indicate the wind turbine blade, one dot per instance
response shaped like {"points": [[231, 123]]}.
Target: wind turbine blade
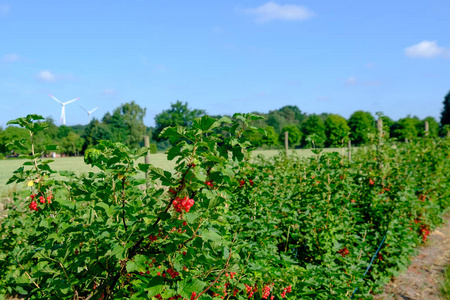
{"points": [[84, 109], [70, 101], [54, 98], [93, 110]]}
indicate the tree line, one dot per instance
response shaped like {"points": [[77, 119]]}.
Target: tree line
{"points": [[125, 124]]}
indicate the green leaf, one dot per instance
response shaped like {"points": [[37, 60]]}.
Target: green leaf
{"points": [[189, 285], [205, 123], [156, 286]]}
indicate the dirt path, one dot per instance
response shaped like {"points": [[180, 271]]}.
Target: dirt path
{"points": [[423, 279]]}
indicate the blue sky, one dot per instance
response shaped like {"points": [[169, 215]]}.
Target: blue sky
{"points": [[223, 56]]}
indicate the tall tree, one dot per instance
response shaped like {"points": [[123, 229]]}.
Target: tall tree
{"points": [[445, 115], [433, 126], [361, 123], [405, 128], [294, 134], [179, 114], [313, 125], [336, 130], [127, 124]]}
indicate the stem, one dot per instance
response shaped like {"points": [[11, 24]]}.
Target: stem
{"points": [[217, 278], [123, 204]]}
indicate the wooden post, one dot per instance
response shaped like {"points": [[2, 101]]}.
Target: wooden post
{"points": [[380, 127], [286, 141], [147, 144], [147, 157], [349, 151], [427, 128]]}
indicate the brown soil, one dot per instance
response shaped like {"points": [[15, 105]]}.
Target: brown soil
{"points": [[423, 279]]}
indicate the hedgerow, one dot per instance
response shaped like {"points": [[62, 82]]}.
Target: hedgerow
{"points": [[223, 225]]}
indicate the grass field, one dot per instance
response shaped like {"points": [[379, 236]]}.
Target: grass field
{"points": [[77, 165]]}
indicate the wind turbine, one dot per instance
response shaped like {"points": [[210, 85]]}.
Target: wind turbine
{"points": [[89, 112], [63, 104]]}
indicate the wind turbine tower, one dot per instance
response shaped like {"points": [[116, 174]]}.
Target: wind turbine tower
{"points": [[63, 110], [89, 112]]}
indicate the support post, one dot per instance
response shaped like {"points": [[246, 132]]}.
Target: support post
{"points": [[147, 157], [349, 151], [427, 128], [286, 141]]}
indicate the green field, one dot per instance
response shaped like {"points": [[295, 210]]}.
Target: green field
{"points": [[77, 165]]}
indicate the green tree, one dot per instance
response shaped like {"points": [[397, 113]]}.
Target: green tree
{"points": [[178, 114], [126, 124], [313, 125], [71, 144], [336, 130], [10, 134], [94, 133], [405, 128], [433, 126], [445, 115], [294, 136], [361, 123]]}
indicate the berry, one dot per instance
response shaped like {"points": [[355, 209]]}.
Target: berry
{"points": [[241, 183], [371, 182], [209, 183], [183, 204], [33, 205], [194, 296], [344, 252], [251, 182], [41, 199]]}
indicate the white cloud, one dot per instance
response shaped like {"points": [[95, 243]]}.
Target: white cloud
{"points": [[46, 76], [109, 92], [351, 80], [12, 57], [273, 11], [4, 9], [427, 49]]}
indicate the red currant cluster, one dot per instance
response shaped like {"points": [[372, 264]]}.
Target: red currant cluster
{"points": [[250, 290], [152, 238], [183, 204], [344, 252], [266, 292], [242, 182], [231, 274], [34, 206], [285, 291], [424, 231], [235, 291], [194, 296], [209, 183], [172, 273]]}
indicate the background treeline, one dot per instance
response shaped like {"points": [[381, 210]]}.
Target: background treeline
{"points": [[125, 124]]}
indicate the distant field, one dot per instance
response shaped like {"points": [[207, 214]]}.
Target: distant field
{"points": [[77, 165]]}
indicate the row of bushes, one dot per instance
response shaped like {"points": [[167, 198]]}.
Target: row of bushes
{"points": [[222, 225]]}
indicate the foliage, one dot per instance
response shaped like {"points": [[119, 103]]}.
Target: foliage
{"points": [[294, 135], [433, 126], [126, 124], [221, 225], [445, 115], [361, 124], [336, 130], [313, 125], [178, 114], [406, 128]]}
